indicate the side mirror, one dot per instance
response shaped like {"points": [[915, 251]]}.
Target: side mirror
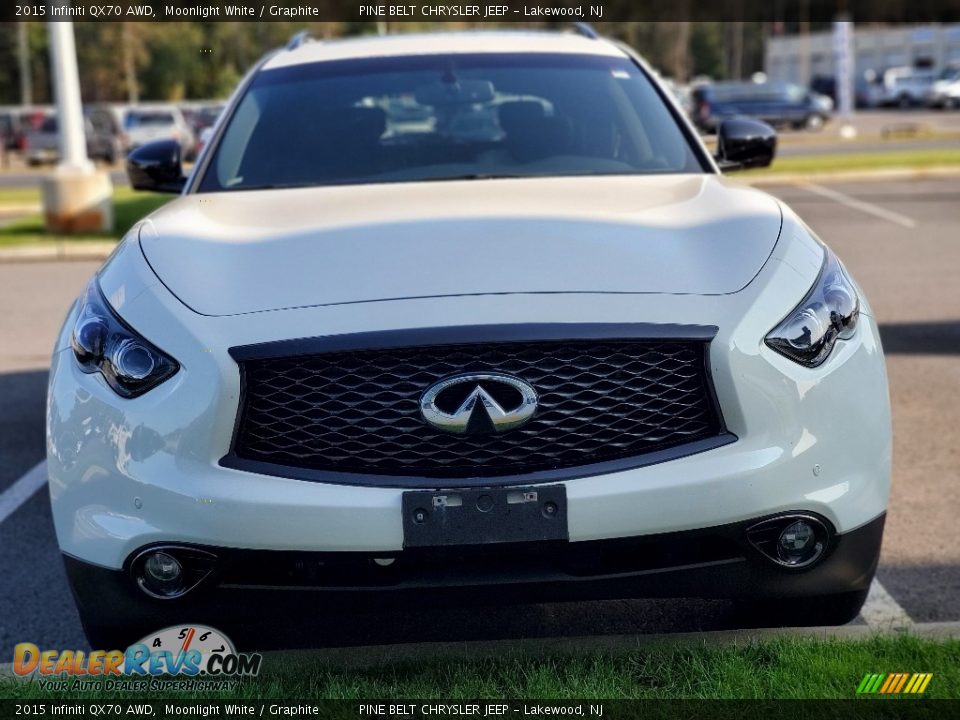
{"points": [[156, 166], [745, 143]]}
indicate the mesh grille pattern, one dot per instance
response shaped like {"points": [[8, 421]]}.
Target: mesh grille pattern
{"points": [[359, 411]]}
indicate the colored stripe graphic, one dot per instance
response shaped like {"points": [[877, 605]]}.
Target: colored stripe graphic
{"points": [[886, 684], [911, 684], [902, 682], [894, 683]]}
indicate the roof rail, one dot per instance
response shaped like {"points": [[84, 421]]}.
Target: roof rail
{"points": [[586, 30], [297, 40]]}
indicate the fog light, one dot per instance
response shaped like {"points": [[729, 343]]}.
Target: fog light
{"points": [[798, 543], [162, 575]]}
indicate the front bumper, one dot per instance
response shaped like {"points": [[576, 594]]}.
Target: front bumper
{"points": [[251, 585]]}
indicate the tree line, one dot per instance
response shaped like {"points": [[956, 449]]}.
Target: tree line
{"points": [[134, 61]]}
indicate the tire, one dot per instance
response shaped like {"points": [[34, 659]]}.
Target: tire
{"points": [[815, 611], [814, 123], [904, 102]]}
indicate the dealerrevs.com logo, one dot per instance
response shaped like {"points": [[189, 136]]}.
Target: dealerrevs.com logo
{"points": [[193, 656]]}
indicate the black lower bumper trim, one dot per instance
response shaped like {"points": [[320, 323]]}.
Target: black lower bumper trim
{"points": [[710, 563]]}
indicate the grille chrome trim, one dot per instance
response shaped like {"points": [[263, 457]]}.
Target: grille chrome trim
{"points": [[477, 335]]}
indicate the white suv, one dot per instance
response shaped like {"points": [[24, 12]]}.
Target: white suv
{"points": [[945, 92], [367, 358]]}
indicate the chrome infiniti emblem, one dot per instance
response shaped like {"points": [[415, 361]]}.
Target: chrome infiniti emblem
{"points": [[477, 403]]}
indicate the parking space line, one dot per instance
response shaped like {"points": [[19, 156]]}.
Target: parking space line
{"points": [[861, 205], [22, 490], [882, 611]]}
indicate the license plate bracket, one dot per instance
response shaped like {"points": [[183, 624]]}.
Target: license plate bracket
{"points": [[482, 516]]}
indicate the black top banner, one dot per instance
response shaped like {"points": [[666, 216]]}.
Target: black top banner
{"points": [[481, 11]]}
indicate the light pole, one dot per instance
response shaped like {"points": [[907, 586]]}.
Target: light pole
{"points": [[845, 63], [23, 60], [76, 196], [66, 91]]}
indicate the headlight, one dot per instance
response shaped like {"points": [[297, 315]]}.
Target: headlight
{"points": [[828, 313], [102, 343]]}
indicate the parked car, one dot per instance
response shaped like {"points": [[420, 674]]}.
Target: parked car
{"points": [[906, 87], [867, 92], [780, 104], [146, 124], [201, 117], [42, 145], [107, 124], [12, 127], [357, 368], [15, 122], [945, 91], [9, 130]]}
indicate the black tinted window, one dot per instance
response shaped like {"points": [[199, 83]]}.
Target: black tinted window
{"points": [[149, 119], [435, 117]]}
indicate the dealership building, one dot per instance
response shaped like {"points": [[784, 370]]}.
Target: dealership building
{"points": [[798, 58]]}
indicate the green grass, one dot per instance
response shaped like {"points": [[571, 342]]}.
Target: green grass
{"points": [[129, 206], [836, 162], [781, 668], [19, 195]]}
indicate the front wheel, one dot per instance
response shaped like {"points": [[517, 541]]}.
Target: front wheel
{"points": [[811, 611], [814, 123]]}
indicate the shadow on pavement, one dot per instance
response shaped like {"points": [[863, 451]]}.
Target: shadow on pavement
{"points": [[23, 397], [927, 592]]}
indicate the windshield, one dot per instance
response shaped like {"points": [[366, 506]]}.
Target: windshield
{"points": [[447, 116]]}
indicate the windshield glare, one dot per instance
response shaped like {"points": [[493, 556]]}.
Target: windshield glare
{"points": [[443, 117]]}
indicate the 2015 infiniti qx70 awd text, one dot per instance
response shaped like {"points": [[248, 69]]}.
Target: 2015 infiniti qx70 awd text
{"points": [[442, 317]]}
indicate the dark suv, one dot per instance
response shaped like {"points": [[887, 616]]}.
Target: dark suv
{"points": [[779, 104]]}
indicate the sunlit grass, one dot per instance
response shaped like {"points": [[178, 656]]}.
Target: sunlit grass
{"points": [[838, 162], [129, 206]]}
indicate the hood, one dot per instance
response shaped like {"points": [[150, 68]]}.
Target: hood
{"points": [[248, 251]]}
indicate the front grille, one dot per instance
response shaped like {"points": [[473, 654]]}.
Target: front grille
{"points": [[358, 411]]}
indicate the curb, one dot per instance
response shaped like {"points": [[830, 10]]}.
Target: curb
{"points": [[55, 251], [372, 656], [853, 175]]}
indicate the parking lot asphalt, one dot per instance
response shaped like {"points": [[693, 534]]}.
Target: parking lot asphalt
{"points": [[899, 238]]}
